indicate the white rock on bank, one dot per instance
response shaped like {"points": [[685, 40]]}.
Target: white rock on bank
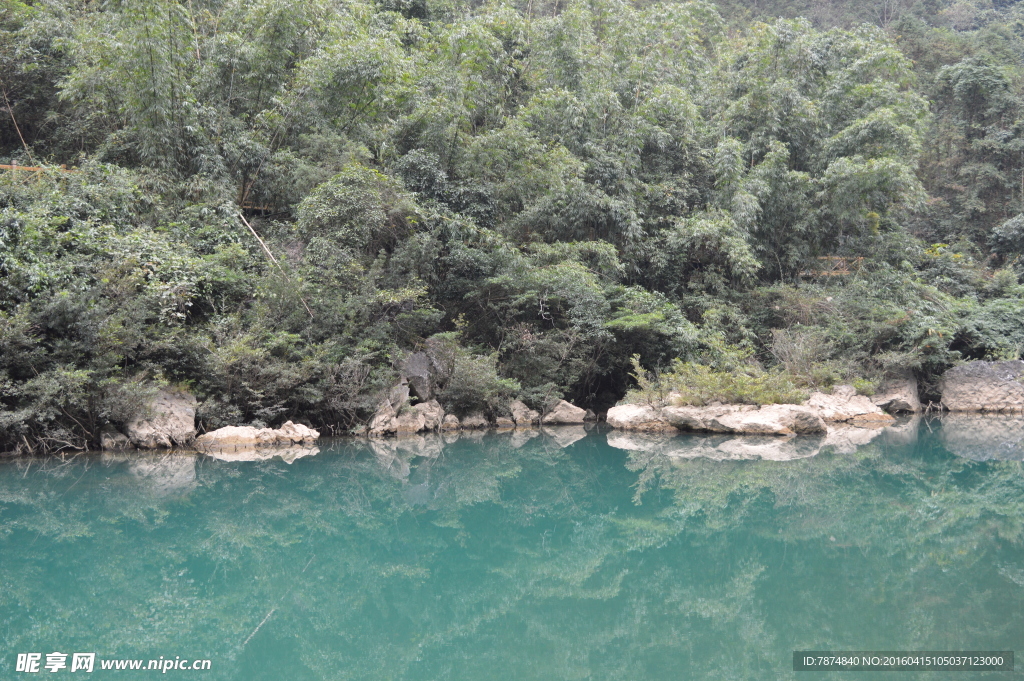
{"points": [[844, 404], [564, 413], [639, 417], [231, 437]]}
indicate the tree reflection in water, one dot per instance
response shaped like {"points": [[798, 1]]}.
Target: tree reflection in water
{"points": [[539, 555]]}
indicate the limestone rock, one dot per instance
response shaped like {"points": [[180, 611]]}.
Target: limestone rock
{"points": [[232, 436], [235, 437], [399, 395], [381, 421], [772, 419], [898, 396], [844, 404], [523, 415], [590, 416], [564, 413], [503, 422], [169, 419], [984, 386], [475, 420], [416, 371], [450, 422], [433, 414], [409, 421], [700, 418], [296, 433], [113, 440], [640, 417]]}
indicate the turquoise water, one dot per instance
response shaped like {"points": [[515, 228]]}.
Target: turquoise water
{"points": [[515, 557]]}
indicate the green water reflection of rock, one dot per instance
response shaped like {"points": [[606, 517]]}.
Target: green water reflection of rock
{"points": [[519, 556]]}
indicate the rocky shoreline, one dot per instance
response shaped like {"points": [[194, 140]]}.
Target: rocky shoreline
{"points": [[981, 387]]}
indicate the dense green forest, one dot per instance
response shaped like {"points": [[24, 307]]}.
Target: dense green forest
{"points": [[273, 202]]}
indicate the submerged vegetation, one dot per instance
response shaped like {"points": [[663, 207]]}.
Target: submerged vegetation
{"points": [[272, 203]]}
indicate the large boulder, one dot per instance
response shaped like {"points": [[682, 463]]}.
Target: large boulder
{"points": [[450, 422], [564, 413], [382, 419], [296, 433], [433, 414], [231, 437], [772, 419], [639, 417], [984, 386], [414, 419], [899, 395], [702, 419], [844, 404], [168, 419], [522, 414], [416, 370], [409, 421]]}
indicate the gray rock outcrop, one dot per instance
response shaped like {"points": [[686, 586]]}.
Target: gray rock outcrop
{"points": [[168, 419], [417, 371], [984, 386], [566, 414]]}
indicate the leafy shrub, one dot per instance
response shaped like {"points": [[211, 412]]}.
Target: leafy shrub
{"points": [[1008, 238], [471, 381], [689, 383]]}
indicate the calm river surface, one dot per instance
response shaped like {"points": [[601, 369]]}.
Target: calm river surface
{"points": [[549, 556]]}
